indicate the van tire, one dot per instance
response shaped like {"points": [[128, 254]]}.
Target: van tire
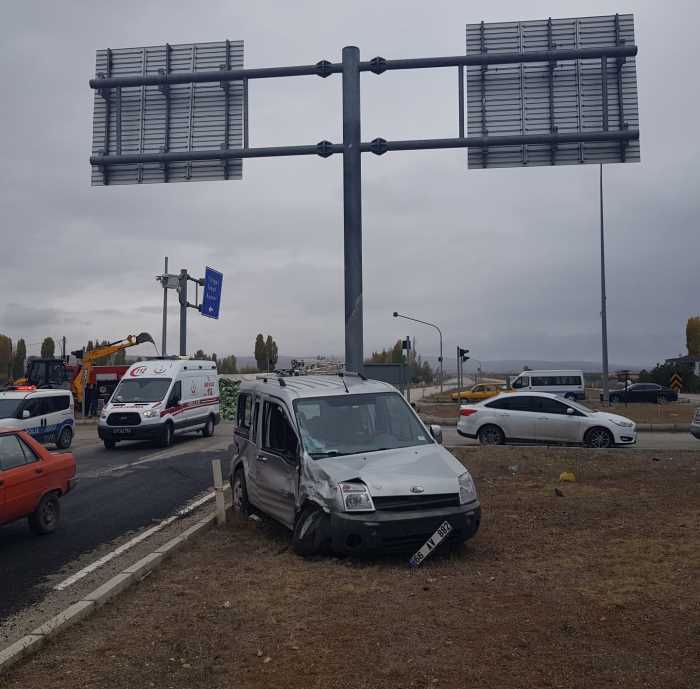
{"points": [[491, 435], [109, 444], [208, 429], [65, 438], [45, 517], [239, 494], [311, 531], [166, 437]]}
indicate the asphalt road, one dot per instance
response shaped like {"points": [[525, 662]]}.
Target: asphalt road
{"points": [[645, 441], [118, 491]]}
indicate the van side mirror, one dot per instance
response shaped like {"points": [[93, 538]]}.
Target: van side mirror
{"points": [[436, 432], [26, 414], [174, 399], [570, 411]]}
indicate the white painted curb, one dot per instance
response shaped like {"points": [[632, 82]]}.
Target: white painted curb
{"points": [[32, 642]]}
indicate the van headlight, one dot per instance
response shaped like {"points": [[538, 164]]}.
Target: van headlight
{"points": [[103, 415], [467, 489], [355, 497], [150, 413]]}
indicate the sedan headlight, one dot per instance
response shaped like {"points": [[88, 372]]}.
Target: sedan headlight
{"points": [[355, 497], [149, 413], [467, 489], [624, 424]]}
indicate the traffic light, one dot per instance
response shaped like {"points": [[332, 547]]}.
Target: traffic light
{"points": [[462, 353]]}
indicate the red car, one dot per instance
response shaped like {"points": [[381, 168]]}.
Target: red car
{"points": [[32, 479]]}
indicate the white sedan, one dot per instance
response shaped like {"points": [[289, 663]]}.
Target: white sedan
{"points": [[543, 418]]}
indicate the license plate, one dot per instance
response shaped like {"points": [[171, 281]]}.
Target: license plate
{"points": [[122, 431], [433, 542]]}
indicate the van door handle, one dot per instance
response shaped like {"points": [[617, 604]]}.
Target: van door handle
{"points": [[262, 458], [38, 470]]}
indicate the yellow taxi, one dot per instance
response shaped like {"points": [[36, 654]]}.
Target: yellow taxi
{"points": [[479, 392]]}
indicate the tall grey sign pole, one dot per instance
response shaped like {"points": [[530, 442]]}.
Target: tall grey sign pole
{"points": [[603, 298], [352, 209], [182, 289], [164, 337]]}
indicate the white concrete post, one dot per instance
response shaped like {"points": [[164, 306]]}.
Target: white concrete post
{"points": [[219, 489]]}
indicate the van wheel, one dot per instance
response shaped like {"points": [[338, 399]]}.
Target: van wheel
{"points": [[110, 444], [65, 439], [491, 435], [239, 494], [166, 438], [599, 438], [311, 533], [208, 429], [44, 519]]}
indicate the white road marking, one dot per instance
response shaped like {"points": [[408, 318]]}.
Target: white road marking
{"points": [[134, 541]]}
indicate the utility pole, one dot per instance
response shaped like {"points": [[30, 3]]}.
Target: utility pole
{"points": [[603, 298], [63, 348], [352, 209], [164, 337], [182, 289]]}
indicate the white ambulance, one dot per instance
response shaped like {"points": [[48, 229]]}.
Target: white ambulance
{"points": [[158, 399]]}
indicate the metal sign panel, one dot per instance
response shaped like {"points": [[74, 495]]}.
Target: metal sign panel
{"points": [[168, 117], [211, 299], [570, 96]]}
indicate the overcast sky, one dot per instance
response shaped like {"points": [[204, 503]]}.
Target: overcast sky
{"points": [[505, 261]]}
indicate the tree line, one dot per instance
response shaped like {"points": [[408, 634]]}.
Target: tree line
{"points": [[419, 371]]}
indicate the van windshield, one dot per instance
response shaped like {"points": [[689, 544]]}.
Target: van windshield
{"points": [[9, 408], [353, 424], [141, 390]]}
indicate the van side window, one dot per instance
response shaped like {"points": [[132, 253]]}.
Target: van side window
{"points": [[176, 394], [254, 426], [278, 435], [37, 406], [244, 414], [521, 382], [58, 403]]}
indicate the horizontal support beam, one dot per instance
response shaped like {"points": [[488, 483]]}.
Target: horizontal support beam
{"points": [[377, 65], [378, 146]]}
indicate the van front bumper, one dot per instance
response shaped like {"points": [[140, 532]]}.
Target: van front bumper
{"points": [[400, 531], [140, 432]]}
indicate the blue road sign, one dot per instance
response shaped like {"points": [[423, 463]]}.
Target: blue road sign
{"points": [[211, 300]]}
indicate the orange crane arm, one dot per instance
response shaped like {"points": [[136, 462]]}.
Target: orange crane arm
{"points": [[88, 359]]}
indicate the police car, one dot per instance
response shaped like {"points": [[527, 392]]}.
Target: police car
{"points": [[47, 415]]}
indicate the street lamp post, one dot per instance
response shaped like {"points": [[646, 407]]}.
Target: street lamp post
{"points": [[432, 325]]}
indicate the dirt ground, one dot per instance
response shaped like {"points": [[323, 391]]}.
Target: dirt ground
{"points": [[675, 412], [596, 587]]}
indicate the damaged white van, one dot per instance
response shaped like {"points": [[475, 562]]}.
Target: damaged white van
{"points": [[346, 464], [158, 399]]}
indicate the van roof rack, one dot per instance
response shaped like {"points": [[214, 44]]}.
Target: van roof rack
{"points": [[357, 374]]}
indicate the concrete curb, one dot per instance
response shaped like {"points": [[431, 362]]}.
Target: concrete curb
{"points": [[32, 642], [641, 427]]}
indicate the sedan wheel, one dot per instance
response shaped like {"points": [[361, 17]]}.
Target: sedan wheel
{"points": [[491, 435], [45, 518], [599, 438]]}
